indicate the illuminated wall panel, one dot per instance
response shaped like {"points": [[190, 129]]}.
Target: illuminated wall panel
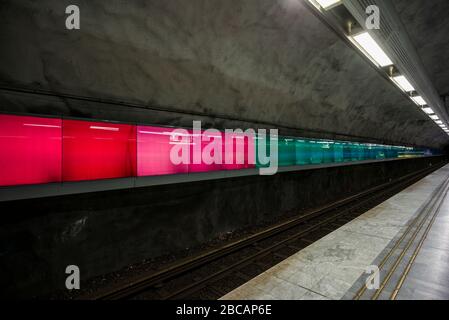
{"points": [[98, 150], [327, 150], [287, 152], [153, 151], [198, 148], [317, 155], [30, 150], [303, 152], [154, 145], [243, 147], [37, 150], [338, 152]]}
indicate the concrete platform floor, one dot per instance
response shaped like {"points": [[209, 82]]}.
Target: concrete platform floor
{"points": [[335, 267]]}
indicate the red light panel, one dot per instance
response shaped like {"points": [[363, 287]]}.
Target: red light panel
{"points": [[30, 150], [98, 150]]}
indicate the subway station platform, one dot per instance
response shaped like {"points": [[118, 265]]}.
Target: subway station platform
{"points": [[406, 238]]}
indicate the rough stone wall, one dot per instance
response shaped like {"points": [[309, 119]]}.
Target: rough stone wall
{"points": [[267, 62], [428, 27]]}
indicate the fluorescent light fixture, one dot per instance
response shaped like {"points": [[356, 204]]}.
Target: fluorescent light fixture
{"points": [[40, 125], [373, 50], [403, 83], [439, 122], [428, 110], [434, 117], [326, 4], [419, 100], [104, 128]]}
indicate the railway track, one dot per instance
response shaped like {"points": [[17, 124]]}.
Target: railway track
{"points": [[214, 273]]}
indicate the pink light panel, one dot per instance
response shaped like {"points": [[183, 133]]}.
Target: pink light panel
{"points": [[199, 143], [37, 150], [154, 145], [153, 152], [243, 147]]}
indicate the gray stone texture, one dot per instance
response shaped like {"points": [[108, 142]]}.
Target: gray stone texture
{"points": [[262, 61]]}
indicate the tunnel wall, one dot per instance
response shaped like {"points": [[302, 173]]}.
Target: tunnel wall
{"points": [[234, 63], [105, 231]]}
